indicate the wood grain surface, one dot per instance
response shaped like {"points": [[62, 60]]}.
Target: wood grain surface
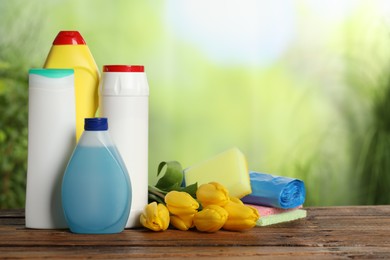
{"points": [[327, 232]]}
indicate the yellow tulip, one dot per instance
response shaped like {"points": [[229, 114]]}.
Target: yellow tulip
{"points": [[212, 193], [210, 219], [184, 222], [155, 217], [236, 200], [241, 217], [181, 203]]}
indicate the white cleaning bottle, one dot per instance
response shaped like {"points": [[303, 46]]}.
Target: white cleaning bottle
{"points": [[124, 100], [51, 140]]}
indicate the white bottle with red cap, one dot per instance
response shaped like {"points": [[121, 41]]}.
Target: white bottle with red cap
{"points": [[124, 100]]}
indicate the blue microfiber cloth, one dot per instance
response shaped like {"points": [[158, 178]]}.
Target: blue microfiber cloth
{"points": [[275, 191]]}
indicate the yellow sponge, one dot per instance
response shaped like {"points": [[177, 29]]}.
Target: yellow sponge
{"points": [[228, 168]]}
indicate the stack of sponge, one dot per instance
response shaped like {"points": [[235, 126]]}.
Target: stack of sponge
{"points": [[278, 199], [270, 216]]}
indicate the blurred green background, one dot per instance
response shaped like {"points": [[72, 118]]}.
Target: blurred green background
{"points": [[302, 88]]}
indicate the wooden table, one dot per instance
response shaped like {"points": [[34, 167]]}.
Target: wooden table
{"points": [[327, 232]]}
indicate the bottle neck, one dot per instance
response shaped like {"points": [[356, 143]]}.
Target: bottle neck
{"points": [[96, 138]]}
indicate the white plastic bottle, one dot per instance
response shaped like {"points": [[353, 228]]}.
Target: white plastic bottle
{"points": [[51, 140], [124, 100]]}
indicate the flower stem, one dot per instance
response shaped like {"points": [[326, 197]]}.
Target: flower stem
{"points": [[156, 193]]}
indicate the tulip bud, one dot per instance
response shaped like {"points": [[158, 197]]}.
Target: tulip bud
{"points": [[183, 222], [155, 217], [212, 193], [236, 200], [210, 218], [241, 217], [181, 203]]}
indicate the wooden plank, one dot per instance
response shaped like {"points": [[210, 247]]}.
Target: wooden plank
{"points": [[349, 211], [194, 252], [11, 213], [298, 233], [327, 232]]}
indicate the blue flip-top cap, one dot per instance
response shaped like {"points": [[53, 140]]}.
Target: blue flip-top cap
{"points": [[95, 124]]}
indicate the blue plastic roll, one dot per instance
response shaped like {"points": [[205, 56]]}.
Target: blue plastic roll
{"points": [[275, 191]]}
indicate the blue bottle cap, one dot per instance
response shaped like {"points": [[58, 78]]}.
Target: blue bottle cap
{"points": [[95, 124]]}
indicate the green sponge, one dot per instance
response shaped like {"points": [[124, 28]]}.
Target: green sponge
{"points": [[281, 217]]}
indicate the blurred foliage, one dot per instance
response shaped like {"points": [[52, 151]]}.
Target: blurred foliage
{"points": [[374, 158], [17, 53], [367, 113], [13, 136], [318, 112]]}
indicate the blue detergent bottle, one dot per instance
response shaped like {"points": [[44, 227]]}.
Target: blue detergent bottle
{"points": [[96, 189]]}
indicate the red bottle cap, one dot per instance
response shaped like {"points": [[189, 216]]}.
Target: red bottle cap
{"points": [[69, 38], [123, 68]]}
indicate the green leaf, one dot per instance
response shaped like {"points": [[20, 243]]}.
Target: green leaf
{"points": [[155, 194], [171, 180], [191, 189], [157, 191], [152, 198], [173, 176]]}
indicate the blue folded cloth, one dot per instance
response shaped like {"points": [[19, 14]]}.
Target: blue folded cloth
{"points": [[275, 191]]}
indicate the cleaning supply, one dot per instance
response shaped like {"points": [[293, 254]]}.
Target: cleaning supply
{"points": [[51, 140], [229, 168], [275, 191], [124, 100], [266, 211], [96, 189], [281, 217], [69, 50]]}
